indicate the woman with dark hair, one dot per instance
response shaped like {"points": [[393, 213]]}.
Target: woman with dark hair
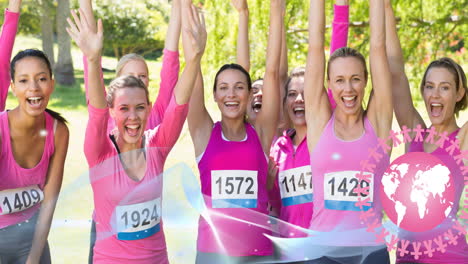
{"points": [[444, 91], [126, 167], [339, 139], [34, 142], [232, 154]]}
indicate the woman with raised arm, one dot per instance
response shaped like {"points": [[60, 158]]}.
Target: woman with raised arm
{"points": [[444, 91], [7, 40], [291, 194], [231, 156], [135, 65], [130, 162], [339, 140], [34, 142]]}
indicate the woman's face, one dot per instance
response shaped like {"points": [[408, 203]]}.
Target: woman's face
{"points": [[294, 103], [130, 113], [440, 95], [347, 82], [32, 85], [232, 94], [138, 69]]}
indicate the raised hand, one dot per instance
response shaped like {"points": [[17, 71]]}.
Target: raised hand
{"points": [[82, 32], [240, 5], [194, 31]]}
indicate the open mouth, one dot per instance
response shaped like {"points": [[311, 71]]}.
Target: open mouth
{"points": [[256, 106], [299, 111], [132, 130], [349, 101], [231, 105], [35, 102], [436, 109]]}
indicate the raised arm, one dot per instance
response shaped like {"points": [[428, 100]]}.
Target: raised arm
{"points": [[194, 41], [90, 43], [267, 119], [317, 106], [284, 122], [381, 104], [243, 51], [339, 36], [51, 193], [170, 67], [7, 40], [405, 112]]}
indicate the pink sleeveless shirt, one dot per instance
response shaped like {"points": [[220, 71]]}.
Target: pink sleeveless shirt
{"points": [[233, 181], [292, 191], [335, 163], [28, 183], [455, 254]]}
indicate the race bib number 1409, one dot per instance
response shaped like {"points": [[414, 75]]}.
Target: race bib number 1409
{"points": [[20, 199]]}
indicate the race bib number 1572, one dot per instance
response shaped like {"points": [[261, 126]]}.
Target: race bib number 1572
{"points": [[234, 188], [20, 199]]}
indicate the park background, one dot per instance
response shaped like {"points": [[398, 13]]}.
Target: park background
{"points": [[427, 29]]}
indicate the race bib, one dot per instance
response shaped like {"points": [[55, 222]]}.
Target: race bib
{"points": [[20, 199], [296, 186], [138, 221], [234, 188], [339, 191]]}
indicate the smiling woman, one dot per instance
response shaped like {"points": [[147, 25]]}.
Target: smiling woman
{"points": [[33, 147]]}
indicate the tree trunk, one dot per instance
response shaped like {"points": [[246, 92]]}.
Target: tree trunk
{"points": [[47, 32], [64, 72]]}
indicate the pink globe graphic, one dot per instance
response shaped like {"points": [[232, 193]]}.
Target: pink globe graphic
{"points": [[417, 191]]}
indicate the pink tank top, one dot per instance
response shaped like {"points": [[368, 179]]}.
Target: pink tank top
{"points": [[456, 254], [292, 192], [22, 188], [233, 182], [335, 163]]}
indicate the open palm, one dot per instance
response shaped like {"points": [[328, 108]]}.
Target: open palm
{"points": [[89, 41]]}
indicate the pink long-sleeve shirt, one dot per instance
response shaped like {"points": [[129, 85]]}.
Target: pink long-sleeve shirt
{"points": [[7, 40], [169, 76], [339, 36], [128, 212]]}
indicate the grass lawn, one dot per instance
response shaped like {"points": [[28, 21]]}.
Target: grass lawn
{"points": [[69, 236]]}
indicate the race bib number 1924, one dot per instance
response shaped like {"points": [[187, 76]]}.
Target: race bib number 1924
{"points": [[234, 188], [20, 199], [138, 221], [340, 191]]}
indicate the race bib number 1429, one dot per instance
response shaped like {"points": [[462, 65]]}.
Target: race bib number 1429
{"points": [[20, 199], [340, 190]]}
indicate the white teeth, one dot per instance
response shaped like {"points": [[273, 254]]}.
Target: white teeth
{"points": [[133, 126], [299, 109], [231, 103], [436, 104], [349, 98], [34, 98]]}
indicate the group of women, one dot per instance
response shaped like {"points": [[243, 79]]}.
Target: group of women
{"points": [[282, 146]]}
